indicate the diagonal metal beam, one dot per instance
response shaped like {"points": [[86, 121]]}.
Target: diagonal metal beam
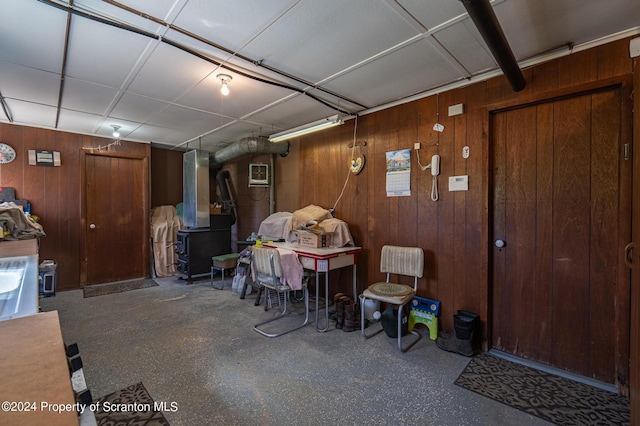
{"points": [[483, 16], [63, 71], [5, 108]]}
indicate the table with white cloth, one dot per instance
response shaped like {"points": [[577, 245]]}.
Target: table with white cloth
{"points": [[323, 260]]}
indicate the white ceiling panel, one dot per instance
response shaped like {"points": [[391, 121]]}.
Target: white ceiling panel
{"points": [[422, 66], [464, 42], [168, 73], [84, 122], [32, 114], [29, 84], [100, 56], [87, 97], [297, 109], [530, 25], [227, 135], [159, 134], [433, 13], [187, 120], [317, 50], [137, 108], [230, 24], [110, 12], [32, 34], [122, 69]]}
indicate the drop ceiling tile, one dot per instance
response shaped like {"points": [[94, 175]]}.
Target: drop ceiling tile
{"points": [[293, 112], [433, 13], [533, 27], [464, 42], [230, 24], [80, 122], [32, 114], [32, 34], [318, 39], [160, 134], [192, 121], [137, 108], [406, 72], [87, 97], [113, 13], [168, 73], [227, 135], [96, 52], [29, 84]]}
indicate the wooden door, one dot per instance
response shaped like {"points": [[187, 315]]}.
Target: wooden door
{"points": [[562, 207], [634, 382], [115, 218]]}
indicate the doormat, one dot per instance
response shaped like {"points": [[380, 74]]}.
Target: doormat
{"points": [[550, 397], [129, 406], [118, 287]]}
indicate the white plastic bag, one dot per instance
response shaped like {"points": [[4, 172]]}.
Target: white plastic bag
{"points": [[235, 284]]}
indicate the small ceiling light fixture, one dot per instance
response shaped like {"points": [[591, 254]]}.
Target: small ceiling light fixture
{"points": [[225, 78], [325, 123], [116, 133]]}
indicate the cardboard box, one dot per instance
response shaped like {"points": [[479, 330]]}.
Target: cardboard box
{"points": [[313, 240]]}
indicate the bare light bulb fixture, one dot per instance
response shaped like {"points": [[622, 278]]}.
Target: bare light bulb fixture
{"points": [[225, 78], [116, 133]]}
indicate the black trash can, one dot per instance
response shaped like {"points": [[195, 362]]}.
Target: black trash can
{"points": [[389, 321]]}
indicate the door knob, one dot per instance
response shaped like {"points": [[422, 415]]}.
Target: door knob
{"points": [[628, 255], [92, 226], [500, 243]]}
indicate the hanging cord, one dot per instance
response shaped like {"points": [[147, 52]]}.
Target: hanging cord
{"points": [[434, 188], [434, 180], [419, 163], [355, 127]]}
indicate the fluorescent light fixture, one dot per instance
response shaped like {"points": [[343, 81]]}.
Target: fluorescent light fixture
{"points": [[325, 123]]}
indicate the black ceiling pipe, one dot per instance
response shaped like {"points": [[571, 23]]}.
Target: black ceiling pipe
{"points": [[485, 20]]}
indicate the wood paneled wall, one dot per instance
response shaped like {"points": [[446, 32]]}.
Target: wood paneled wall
{"points": [[55, 192], [453, 231]]}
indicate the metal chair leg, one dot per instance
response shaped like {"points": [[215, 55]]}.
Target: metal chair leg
{"points": [[415, 333], [283, 314], [364, 333]]}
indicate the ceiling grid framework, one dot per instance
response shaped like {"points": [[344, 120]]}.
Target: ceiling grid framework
{"points": [[151, 67]]}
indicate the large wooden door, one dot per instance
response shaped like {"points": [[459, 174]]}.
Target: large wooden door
{"points": [[562, 207], [115, 218]]}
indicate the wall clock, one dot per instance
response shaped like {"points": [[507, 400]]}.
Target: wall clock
{"points": [[7, 153]]}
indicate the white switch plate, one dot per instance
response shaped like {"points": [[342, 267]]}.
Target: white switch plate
{"points": [[459, 183], [634, 47], [456, 109]]}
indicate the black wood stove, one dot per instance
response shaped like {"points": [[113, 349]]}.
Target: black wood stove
{"points": [[196, 247]]}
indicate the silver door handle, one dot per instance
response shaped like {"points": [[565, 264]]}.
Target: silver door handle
{"points": [[92, 226], [500, 243]]}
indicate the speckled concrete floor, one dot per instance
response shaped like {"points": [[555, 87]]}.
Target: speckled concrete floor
{"points": [[192, 346]]}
